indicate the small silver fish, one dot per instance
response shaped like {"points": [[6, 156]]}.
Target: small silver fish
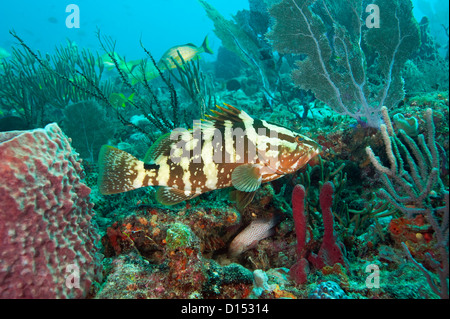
{"points": [[247, 239]]}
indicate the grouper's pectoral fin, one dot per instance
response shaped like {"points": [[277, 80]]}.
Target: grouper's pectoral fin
{"points": [[247, 177], [171, 196]]}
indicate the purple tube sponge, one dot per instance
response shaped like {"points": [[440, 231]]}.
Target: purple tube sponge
{"points": [[299, 271], [330, 253]]}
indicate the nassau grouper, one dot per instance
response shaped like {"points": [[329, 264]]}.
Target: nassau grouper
{"points": [[229, 148]]}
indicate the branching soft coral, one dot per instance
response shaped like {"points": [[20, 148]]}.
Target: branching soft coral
{"points": [[352, 68], [246, 46]]}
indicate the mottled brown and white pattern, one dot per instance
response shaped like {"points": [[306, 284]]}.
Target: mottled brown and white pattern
{"points": [[229, 149]]}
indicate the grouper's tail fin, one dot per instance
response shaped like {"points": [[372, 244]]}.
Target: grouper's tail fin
{"points": [[120, 171]]}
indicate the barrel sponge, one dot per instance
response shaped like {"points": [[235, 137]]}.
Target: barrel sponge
{"points": [[48, 241]]}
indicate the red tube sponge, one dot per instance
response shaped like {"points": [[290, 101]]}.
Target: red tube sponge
{"points": [[330, 253], [299, 271]]}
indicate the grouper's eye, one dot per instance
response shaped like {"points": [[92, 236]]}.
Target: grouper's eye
{"points": [[304, 141], [299, 139]]}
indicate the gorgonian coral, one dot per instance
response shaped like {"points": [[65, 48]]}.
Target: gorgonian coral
{"points": [[351, 65]]}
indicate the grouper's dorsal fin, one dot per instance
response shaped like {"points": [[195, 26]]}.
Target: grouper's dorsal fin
{"points": [[228, 113], [160, 147]]}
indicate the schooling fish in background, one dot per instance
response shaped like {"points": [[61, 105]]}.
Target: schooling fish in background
{"points": [[132, 68], [122, 64], [187, 51], [229, 149], [148, 69]]}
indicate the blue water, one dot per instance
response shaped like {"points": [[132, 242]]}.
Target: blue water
{"points": [[160, 24]]}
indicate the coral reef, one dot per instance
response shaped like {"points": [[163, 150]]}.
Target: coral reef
{"points": [[328, 290], [337, 66], [412, 191], [38, 88], [366, 219], [179, 268], [49, 241]]}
